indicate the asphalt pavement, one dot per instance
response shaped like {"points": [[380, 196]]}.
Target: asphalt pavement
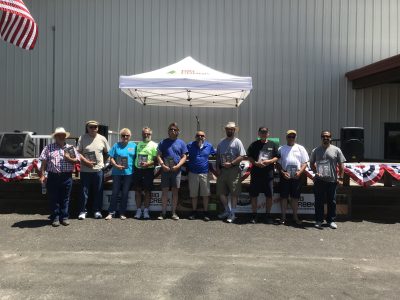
{"points": [[135, 259]]}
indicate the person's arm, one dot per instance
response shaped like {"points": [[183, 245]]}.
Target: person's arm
{"points": [[84, 160], [305, 159], [181, 163], [312, 162], [43, 168], [69, 158], [114, 164]]}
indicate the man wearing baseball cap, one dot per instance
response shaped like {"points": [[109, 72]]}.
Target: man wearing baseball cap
{"points": [[292, 162], [58, 160], [230, 153], [262, 154], [93, 147]]}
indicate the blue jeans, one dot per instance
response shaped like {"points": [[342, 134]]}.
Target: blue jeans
{"points": [[59, 188], [91, 182], [324, 189], [121, 183]]}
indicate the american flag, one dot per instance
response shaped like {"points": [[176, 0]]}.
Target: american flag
{"points": [[17, 26]]}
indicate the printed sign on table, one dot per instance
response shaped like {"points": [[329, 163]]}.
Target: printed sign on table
{"points": [[155, 201]]}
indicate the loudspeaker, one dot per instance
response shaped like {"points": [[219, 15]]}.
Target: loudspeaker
{"points": [[352, 143], [16, 145], [103, 130]]}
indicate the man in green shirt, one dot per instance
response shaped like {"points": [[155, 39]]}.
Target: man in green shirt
{"points": [[144, 172]]}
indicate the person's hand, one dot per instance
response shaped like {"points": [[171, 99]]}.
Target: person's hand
{"points": [[144, 164], [297, 175], [89, 164], [175, 169], [285, 175], [67, 156], [165, 168], [259, 165], [340, 181], [266, 162], [217, 172], [227, 165], [120, 167], [42, 179]]}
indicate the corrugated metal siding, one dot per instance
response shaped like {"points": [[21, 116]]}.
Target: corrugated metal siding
{"points": [[296, 51]]}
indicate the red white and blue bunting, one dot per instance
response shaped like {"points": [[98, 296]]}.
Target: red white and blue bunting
{"points": [[12, 170]]}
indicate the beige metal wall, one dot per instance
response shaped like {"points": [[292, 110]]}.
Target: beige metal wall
{"points": [[296, 51]]}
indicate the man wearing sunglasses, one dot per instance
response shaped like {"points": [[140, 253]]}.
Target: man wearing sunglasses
{"points": [[93, 148], [199, 151], [144, 172], [262, 154], [292, 162], [171, 155], [324, 161]]}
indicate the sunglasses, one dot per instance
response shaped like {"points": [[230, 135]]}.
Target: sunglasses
{"points": [[325, 136], [200, 135], [93, 127], [125, 135], [291, 136], [173, 129], [263, 131]]}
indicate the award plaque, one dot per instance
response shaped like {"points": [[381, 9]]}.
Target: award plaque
{"points": [[71, 151], [122, 161], [226, 158], [324, 169], [263, 155], [169, 162], [292, 170], [90, 156], [142, 159]]}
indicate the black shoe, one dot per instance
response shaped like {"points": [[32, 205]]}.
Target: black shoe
{"points": [[206, 216], [253, 219], [55, 223], [269, 220], [193, 216], [65, 222]]}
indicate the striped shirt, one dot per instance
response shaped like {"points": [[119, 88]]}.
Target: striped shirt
{"points": [[53, 154]]}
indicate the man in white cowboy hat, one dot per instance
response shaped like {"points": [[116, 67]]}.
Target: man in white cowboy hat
{"points": [[93, 147], [230, 153], [58, 160]]}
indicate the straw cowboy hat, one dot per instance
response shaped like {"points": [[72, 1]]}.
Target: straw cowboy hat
{"points": [[60, 130], [232, 125]]}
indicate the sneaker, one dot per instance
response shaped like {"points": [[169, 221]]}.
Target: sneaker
{"points": [[206, 217], [109, 217], [231, 218], [192, 216], [122, 217], [138, 214], [253, 220], [55, 223], [65, 222], [161, 217], [82, 216], [318, 225], [98, 215], [146, 214], [224, 215], [333, 225], [175, 217]]}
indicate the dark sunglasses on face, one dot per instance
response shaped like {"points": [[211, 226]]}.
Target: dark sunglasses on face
{"points": [[173, 129], [325, 136], [200, 135], [125, 135], [93, 127], [263, 131], [291, 136]]}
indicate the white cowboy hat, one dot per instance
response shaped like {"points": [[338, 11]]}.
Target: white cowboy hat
{"points": [[232, 125], [60, 130]]}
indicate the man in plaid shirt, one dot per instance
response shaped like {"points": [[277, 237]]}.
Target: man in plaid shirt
{"points": [[58, 159]]}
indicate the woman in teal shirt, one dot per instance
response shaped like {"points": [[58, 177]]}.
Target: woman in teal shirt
{"points": [[122, 156]]}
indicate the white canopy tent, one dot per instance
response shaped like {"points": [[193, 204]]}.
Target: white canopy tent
{"points": [[187, 83]]}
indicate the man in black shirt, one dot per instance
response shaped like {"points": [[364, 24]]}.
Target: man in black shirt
{"points": [[263, 154]]}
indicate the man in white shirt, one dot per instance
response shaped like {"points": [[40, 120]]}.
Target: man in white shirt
{"points": [[292, 163]]}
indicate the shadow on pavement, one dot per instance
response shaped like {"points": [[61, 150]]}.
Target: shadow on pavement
{"points": [[31, 223]]}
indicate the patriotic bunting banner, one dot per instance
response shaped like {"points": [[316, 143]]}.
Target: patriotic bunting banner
{"points": [[365, 174], [17, 25], [393, 170], [11, 170]]}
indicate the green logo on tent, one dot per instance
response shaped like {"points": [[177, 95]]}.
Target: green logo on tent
{"points": [[172, 72]]}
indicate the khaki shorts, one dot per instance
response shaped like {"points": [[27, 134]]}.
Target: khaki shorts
{"points": [[199, 182], [228, 182]]}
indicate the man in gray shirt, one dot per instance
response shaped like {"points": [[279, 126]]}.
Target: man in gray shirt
{"points": [[230, 153], [324, 161]]}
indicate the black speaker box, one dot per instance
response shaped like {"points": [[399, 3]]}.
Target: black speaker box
{"points": [[352, 143]]}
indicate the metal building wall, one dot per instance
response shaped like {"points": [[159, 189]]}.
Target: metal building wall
{"points": [[297, 52]]}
